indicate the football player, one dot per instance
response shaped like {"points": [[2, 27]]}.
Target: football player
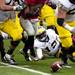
{"points": [[64, 34], [65, 12], [46, 40], [7, 22], [28, 18]]}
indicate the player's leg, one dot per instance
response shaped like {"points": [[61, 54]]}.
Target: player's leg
{"points": [[2, 50], [11, 29], [66, 44], [28, 27], [28, 45], [63, 55], [13, 45], [70, 53], [72, 48]]}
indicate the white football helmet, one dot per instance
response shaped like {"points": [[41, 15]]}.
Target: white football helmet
{"points": [[40, 30], [41, 33]]}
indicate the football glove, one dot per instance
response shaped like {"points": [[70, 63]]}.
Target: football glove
{"points": [[4, 35], [18, 7]]}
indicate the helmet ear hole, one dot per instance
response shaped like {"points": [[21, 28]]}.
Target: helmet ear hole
{"points": [[72, 1]]}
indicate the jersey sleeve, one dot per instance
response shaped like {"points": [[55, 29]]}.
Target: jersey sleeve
{"points": [[61, 6]]}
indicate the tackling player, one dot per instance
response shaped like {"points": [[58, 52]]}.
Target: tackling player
{"points": [[28, 18], [7, 22], [66, 17], [64, 34]]}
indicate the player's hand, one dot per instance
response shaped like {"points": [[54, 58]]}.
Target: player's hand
{"points": [[18, 7], [73, 30]]}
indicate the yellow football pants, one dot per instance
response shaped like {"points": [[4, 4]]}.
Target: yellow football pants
{"points": [[12, 28]]}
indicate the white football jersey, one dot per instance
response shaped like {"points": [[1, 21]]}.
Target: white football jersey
{"points": [[9, 2], [69, 7], [65, 3], [54, 1], [53, 43]]}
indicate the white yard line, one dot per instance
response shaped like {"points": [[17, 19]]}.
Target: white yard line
{"points": [[10, 66], [4, 66], [27, 69]]}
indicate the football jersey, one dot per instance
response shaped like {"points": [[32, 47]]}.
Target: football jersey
{"points": [[53, 43], [34, 2], [69, 7]]}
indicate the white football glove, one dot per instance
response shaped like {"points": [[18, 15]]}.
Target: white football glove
{"points": [[4, 35], [70, 28], [18, 7]]}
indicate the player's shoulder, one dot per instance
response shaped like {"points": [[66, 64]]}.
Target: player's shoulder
{"points": [[50, 31]]}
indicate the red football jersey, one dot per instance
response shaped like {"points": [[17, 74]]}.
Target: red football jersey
{"points": [[27, 13], [34, 2]]}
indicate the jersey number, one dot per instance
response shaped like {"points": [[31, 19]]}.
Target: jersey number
{"points": [[53, 44]]}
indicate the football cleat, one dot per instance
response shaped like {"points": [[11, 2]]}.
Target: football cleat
{"points": [[34, 58], [12, 62], [9, 59]]}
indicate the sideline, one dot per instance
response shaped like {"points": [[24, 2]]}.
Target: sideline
{"points": [[27, 69]]}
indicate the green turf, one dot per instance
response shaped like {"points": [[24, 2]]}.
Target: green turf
{"points": [[42, 65], [12, 71]]}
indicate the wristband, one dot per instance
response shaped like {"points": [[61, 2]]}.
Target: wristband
{"points": [[60, 21]]}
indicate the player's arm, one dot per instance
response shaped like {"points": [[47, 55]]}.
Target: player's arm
{"points": [[61, 16], [60, 20], [5, 7], [70, 28]]}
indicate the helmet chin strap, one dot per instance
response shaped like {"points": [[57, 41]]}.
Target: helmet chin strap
{"points": [[72, 1]]}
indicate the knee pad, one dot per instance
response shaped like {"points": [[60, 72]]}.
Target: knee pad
{"points": [[60, 21]]}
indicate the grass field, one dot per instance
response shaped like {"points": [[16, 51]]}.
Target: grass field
{"points": [[41, 67]]}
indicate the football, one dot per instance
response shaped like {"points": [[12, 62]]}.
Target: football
{"points": [[56, 66]]}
